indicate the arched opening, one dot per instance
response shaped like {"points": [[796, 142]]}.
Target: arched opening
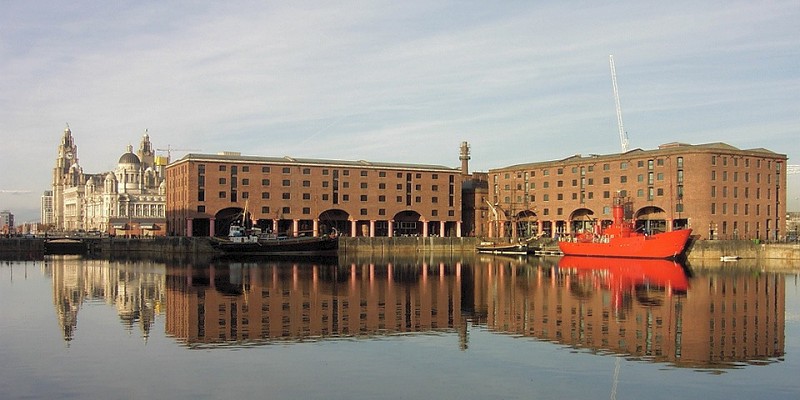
{"points": [[407, 223], [651, 220], [334, 220], [226, 217], [582, 220], [527, 224]]}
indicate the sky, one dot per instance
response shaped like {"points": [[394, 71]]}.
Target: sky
{"points": [[394, 81]]}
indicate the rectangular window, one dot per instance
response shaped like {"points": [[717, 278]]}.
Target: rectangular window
{"points": [[265, 170], [265, 210], [286, 170]]}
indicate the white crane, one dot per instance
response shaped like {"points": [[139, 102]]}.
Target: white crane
{"points": [[623, 137]]}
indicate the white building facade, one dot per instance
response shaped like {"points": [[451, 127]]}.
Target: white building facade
{"points": [[129, 200]]}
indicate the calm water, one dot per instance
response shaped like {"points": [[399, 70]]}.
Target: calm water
{"points": [[443, 328]]}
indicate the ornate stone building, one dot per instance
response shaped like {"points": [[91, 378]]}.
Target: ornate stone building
{"points": [[126, 201]]}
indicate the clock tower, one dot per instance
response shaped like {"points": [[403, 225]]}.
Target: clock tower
{"points": [[67, 157]]}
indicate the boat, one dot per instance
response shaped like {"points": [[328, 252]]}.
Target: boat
{"points": [[65, 246], [252, 241], [520, 248], [620, 239], [729, 258]]}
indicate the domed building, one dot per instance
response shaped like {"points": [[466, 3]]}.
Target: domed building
{"points": [[128, 201]]}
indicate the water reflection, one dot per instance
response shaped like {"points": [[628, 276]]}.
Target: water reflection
{"points": [[647, 309], [650, 310], [264, 302], [135, 289]]}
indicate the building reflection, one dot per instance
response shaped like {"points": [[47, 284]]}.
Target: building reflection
{"points": [[248, 302], [638, 308], [649, 310], [135, 289]]}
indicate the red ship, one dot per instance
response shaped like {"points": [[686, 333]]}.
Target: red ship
{"points": [[620, 239]]}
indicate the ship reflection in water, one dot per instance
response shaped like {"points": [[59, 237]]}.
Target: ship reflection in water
{"points": [[643, 309]]}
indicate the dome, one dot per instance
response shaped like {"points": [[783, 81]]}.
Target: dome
{"points": [[129, 157]]}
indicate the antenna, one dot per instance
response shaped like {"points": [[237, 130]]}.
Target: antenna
{"points": [[623, 137]]}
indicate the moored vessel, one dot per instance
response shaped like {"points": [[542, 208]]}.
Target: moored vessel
{"points": [[620, 239], [243, 241]]}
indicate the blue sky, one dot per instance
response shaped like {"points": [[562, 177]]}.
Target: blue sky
{"points": [[390, 81]]}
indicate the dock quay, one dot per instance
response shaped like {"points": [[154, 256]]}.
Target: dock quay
{"points": [[176, 245]]}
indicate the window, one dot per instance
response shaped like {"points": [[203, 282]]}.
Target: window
{"points": [[306, 171], [363, 185], [382, 198], [306, 196], [680, 162], [623, 179], [363, 197], [325, 197], [345, 197], [606, 180], [286, 195], [245, 182], [245, 168], [306, 183], [245, 195], [222, 181], [223, 168], [286, 170], [286, 210], [434, 199], [306, 210], [286, 183], [265, 182], [382, 174], [201, 209], [265, 170], [222, 195], [265, 195]]}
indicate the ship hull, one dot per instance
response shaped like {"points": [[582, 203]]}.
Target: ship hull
{"points": [[301, 246], [661, 245]]}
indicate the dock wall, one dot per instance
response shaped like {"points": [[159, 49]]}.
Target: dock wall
{"points": [[176, 246]]}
